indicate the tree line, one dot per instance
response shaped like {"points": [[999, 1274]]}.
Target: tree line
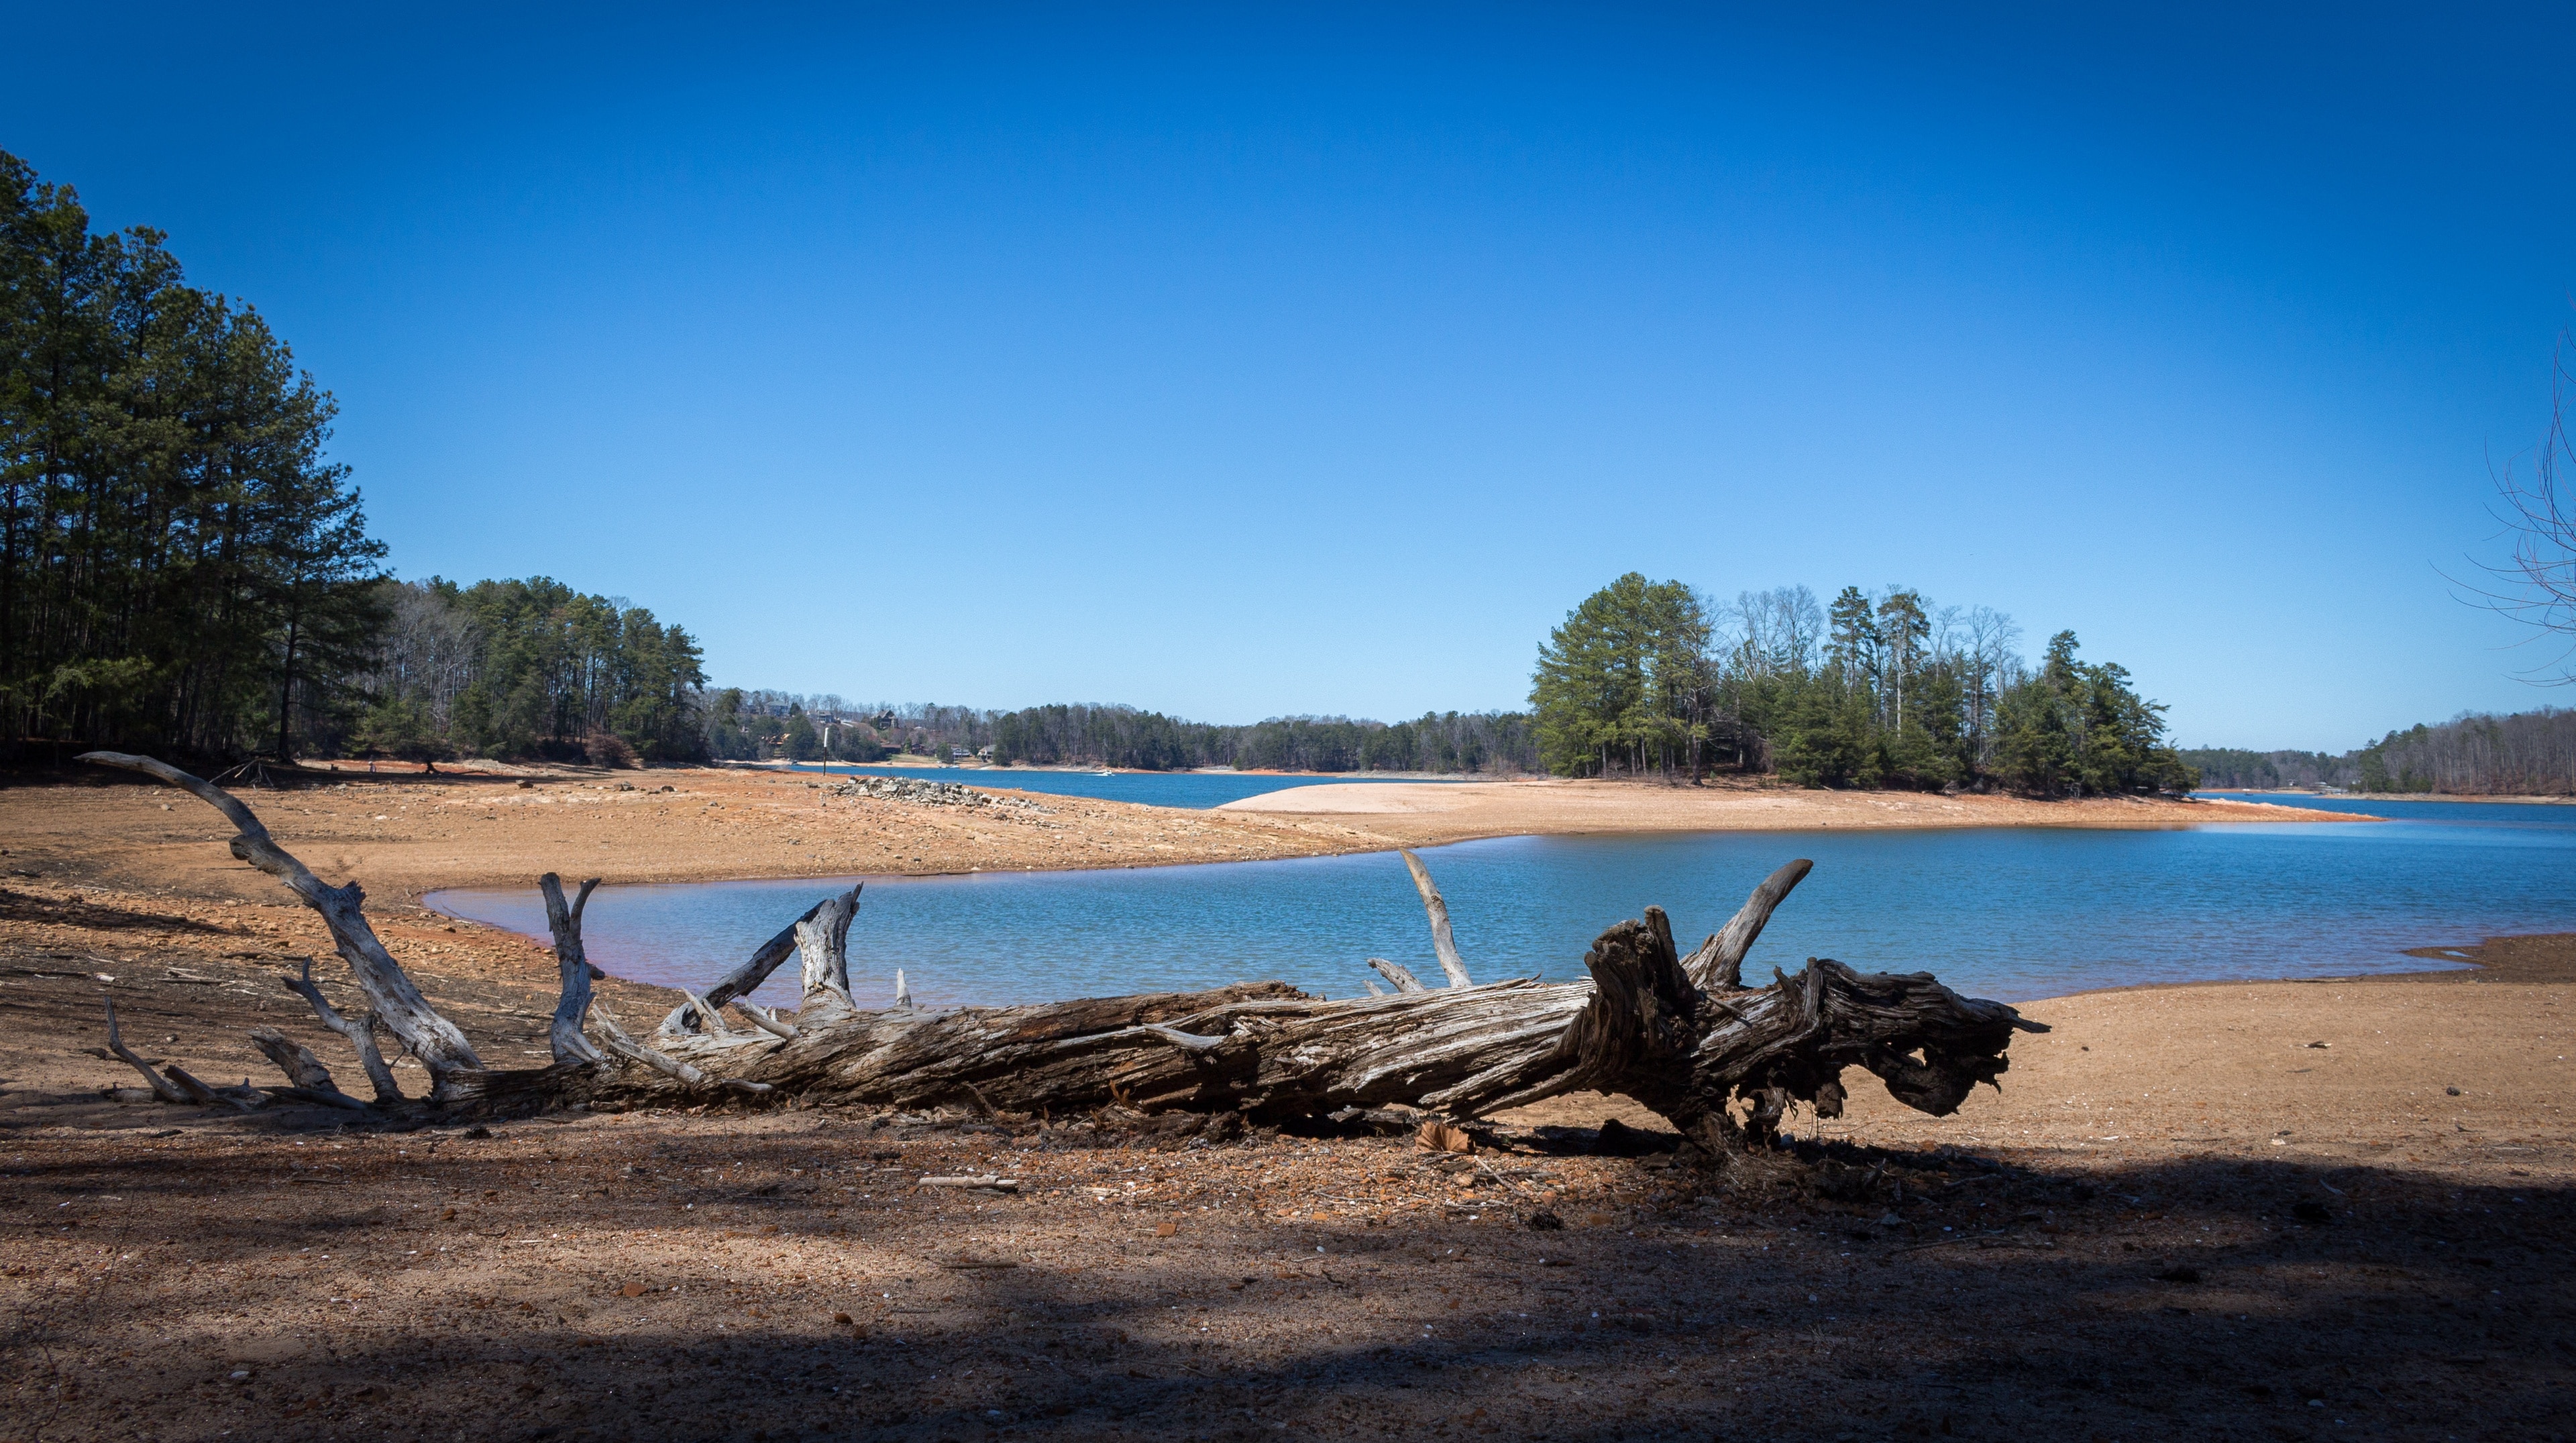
{"points": [[526, 668], [777, 724], [180, 567], [1649, 678], [2525, 754]]}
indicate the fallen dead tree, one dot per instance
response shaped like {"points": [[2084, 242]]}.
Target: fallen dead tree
{"points": [[1679, 1033]]}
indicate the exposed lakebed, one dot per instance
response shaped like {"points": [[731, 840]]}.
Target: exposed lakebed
{"points": [[2012, 913]]}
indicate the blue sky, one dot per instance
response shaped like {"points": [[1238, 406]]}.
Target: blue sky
{"points": [[1236, 362]]}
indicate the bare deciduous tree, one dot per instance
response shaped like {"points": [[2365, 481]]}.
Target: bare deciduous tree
{"points": [[2537, 584]]}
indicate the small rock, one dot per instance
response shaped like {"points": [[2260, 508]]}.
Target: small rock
{"points": [[841, 1318], [1546, 1222], [1891, 1220], [632, 1290], [1165, 1230], [478, 1132], [2453, 1091]]}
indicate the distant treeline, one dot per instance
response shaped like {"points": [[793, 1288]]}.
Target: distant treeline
{"points": [[1885, 690], [765, 724], [2527, 754], [526, 668]]}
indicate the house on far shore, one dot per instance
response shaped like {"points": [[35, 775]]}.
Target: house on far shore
{"points": [[960, 754], [984, 753]]}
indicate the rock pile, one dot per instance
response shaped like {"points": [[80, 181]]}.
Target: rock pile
{"points": [[935, 794]]}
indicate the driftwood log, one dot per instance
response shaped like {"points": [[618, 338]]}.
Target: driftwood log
{"points": [[1681, 1034]]}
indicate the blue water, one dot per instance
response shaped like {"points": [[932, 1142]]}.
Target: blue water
{"points": [[2012, 913], [1195, 791], [2493, 814]]}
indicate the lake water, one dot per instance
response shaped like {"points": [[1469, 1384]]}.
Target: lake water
{"points": [[1195, 791], [2011, 913]]}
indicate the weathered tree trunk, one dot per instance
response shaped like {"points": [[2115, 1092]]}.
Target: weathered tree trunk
{"points": [[1680, 1035], [1638, 1027], [572, 964], [823, 941]]}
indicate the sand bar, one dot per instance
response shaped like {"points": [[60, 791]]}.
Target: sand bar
{"points": [[1428, 813]]}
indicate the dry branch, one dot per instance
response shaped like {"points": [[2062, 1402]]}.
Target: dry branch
{"points": [[1719, 962], [1397, 973], [433, 1039], [766, 1020], [162, 1087], [306, 1077], [1441, 941], [614, 1038], [360, 1034]]}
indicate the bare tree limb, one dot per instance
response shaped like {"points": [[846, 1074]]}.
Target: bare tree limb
{"points": [[746, 979], [306, 1077], [360, 1034], [1441, 941], [428, 1036], [614, 1038], [1398, 974], [1719, 962], [768, 1021], [162, 1087]]}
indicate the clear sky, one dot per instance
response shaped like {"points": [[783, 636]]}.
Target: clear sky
{"points": [[1237, 363]]}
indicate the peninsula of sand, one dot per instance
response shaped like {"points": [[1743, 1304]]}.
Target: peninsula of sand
{"points": [[406, 834]]}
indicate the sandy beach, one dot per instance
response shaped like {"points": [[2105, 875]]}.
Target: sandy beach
{"points": [[1426, 814], [2322, 1209]]}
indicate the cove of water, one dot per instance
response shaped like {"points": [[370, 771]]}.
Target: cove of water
{"points": [[1195, 791], [2010, 913]]}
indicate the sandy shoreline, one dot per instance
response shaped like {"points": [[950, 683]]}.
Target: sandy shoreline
{"points": [[2176, 1197], [409, 834], [1424, 815]]}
